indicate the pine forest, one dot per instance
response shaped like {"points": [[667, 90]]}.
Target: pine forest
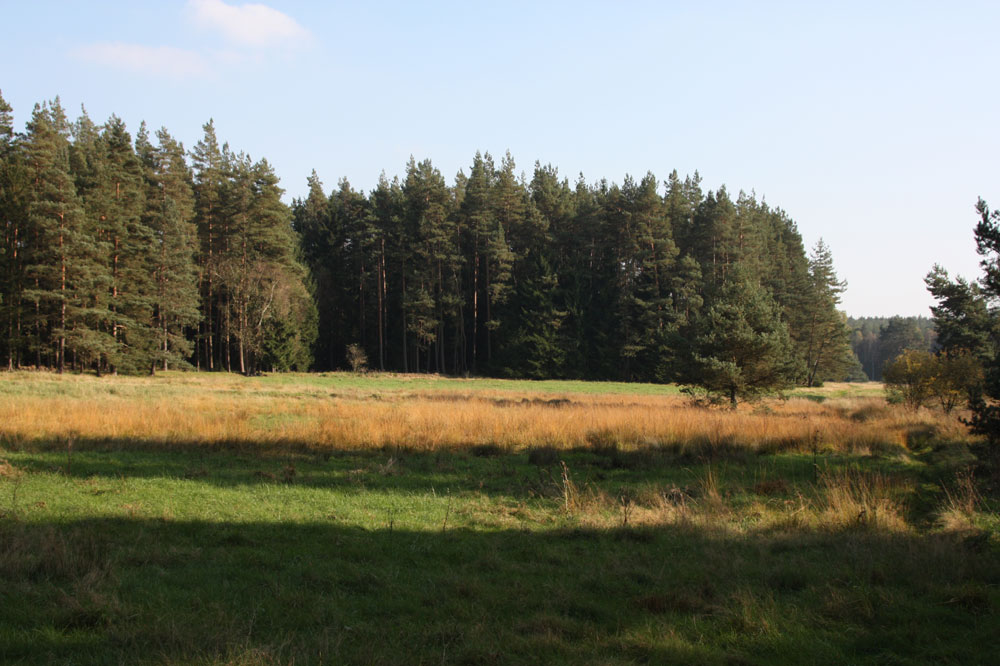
{"points": [[127, 254]]}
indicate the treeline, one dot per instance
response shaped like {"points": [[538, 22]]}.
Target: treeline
{"points": [[500, 274], [124, 255], [877, 341], [120, 256]]}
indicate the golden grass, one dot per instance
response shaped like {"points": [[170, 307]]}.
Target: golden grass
{"points": [[865, 500], [959, 510], [218, 410]]}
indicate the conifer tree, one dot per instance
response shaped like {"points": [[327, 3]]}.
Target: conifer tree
{"points": [[209, 179], [647, 306], [823, 336], [170, 215], [431, 295], [387, 209], [63, 266], [131, 241], [742, 347], [962, 318], [479, 224], [15, 191], [311, 219]]}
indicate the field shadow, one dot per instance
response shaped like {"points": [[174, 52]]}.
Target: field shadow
{"points": [[153, 591], [488, 469]]}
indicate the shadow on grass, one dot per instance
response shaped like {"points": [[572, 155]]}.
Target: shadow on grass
{"points": [[488, 469], [140, 591]]}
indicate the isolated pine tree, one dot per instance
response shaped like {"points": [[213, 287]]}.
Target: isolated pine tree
{"points": [[742, 348]]}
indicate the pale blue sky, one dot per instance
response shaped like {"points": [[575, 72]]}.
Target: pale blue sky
{"points": [[874, 125]]}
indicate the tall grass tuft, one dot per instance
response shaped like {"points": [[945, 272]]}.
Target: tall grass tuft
{"points": [[865, 500], [962, 501]]}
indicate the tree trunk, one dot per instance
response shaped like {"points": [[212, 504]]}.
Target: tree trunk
{"points": [[381, 307], [62, 305]]}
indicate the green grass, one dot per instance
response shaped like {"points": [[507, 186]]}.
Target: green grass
{"points": [[403, 557]]}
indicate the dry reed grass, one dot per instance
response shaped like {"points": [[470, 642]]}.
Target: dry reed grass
{"points": [[206, 415], [864, 500], [962, 501]]}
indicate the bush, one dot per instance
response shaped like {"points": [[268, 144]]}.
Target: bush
{"points": [[916, 377], [357, 358]]}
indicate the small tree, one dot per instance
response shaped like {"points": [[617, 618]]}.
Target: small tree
{"points": [[910, 378], [960, 376], [742, 348], [916, 377], [357, 358]]}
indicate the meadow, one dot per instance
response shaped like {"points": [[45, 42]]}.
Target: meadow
{"points": [[411, 519]]}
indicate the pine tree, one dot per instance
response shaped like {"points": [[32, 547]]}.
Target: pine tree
{"points": [[15, 192], [647, 305], [823, 336], [170, 215], [262, 281], [131, 241], [387, 209], [311, 219], [479, 224], [209, 179], [507, 206], [431, 294], [63, 266], [742, 347], [962, 317], [985, 402]]}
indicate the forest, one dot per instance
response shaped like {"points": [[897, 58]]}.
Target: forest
{"points": [[125, 255], [877, 341]]}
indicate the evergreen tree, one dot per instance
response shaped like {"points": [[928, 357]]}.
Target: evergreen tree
{"points": [[431, 296], [311, 219], [64, 262], [985, 403], [823, 337], [647, 304], [479, 225], [387, 207], [962, 317], [209, 179], [170, 216], [15, 193], [122, 202], [742, 347]]}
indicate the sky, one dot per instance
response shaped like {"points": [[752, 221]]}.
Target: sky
{"points": [[872, 124]]}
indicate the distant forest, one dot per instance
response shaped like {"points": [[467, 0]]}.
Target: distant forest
{"points": [[878, 340], [124, 255]]}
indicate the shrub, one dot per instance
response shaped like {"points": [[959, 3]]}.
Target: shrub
{"points": [[917, 377], [910, 377], [357, 358]]}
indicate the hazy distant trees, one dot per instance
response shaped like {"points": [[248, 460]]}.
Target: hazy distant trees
{"points": [[876, 341]]}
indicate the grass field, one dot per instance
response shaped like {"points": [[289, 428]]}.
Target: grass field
{"points": [[196, 518]]}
